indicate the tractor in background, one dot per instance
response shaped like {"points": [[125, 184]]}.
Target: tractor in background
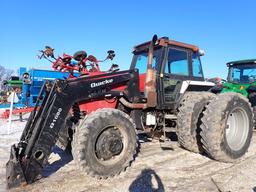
{"points": [[13, 84], [242, 79]]}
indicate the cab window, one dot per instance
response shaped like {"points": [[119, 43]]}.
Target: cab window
{"points": [[196, 66], [141, 60], [177, 63]]}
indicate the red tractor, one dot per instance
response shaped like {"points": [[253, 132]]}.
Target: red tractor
{"points": [[163, 89]]}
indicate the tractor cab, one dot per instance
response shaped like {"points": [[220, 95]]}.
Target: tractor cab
{"points": [[241, 77], [177, 66], [243, 72]]}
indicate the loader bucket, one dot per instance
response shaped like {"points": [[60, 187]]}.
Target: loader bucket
{"points": [[14, 173]]}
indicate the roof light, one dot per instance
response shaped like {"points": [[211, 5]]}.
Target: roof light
{"points": [[201, 52]]}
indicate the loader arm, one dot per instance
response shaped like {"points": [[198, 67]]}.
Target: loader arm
{"points": [[30, 155]]}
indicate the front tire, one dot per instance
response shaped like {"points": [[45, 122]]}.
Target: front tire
{"points": [[227, 127], [105, 143]]}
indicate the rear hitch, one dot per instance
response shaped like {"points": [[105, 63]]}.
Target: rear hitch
{"points": [[14, 172]]}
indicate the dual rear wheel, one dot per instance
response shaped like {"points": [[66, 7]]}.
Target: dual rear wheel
{"points": [[220, 126]]}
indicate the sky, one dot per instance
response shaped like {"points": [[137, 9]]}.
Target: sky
{"points": [[224, 29]]}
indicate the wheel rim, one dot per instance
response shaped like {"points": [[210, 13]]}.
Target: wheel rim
{"points": [[237, 128], [109, 145]]}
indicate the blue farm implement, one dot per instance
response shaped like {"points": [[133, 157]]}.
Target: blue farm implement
{"points": [[32, 81]]}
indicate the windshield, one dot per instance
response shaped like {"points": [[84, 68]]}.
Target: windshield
{"points": [[141, 60], [242, 74]]}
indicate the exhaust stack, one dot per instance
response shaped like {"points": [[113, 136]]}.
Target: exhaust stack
{"points": [[150, 80]]}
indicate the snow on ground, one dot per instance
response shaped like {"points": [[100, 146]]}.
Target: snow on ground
{"points": [[158, 167], [6, 140], [14, 129]]}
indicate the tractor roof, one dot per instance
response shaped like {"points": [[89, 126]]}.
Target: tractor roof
{"points": [[165, 41], [241, 62]]}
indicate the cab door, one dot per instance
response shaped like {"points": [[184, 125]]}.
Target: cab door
{"points": [[175, 70]]}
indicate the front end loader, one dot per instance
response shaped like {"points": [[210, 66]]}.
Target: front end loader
{"points": [[41, 132]]}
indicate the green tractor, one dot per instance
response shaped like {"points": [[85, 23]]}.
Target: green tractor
{"points": [[14, 82], [242, 79]]}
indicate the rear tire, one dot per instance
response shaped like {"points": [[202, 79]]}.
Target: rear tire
{"points": [[189, 119], [105, 143], [227, 127]]}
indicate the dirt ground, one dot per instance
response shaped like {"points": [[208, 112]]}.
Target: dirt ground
{"points": [[158, 167]]}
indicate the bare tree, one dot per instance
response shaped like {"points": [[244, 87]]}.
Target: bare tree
{"points": [[5, 74], [2, 71], [8, 73]]}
